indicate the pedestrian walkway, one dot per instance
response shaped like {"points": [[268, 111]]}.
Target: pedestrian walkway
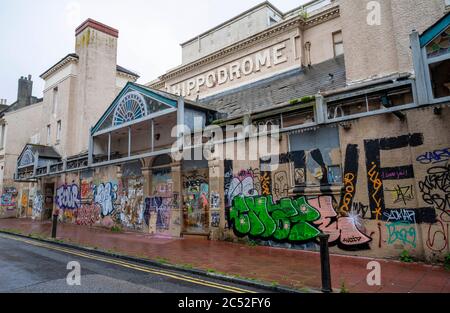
{"points": [[290, 268]]}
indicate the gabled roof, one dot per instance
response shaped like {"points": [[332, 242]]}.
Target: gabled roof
{"points": [[432, 32], [44, 152], [166, 99], [163, 97], [59, 64], [280, 89], [16, 106], [74, 56]]}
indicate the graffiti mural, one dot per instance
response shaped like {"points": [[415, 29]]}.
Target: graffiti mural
{"points": [[105, 196], [215, 200], [162, 201], [68, 197], [347, 231], [435, 189], [8, 200], [402, 194], [38, 205], [280, 185], [434, 157], [288, 220], [350, 179], [376, 174], [162, 208], [247, 183], [196, 200], [215, 219], [88, 214], [24, 204], [86, 189], [403, 233], [130, 210]]}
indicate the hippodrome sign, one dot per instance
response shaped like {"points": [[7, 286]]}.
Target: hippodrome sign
{"points": [[267, 58]]}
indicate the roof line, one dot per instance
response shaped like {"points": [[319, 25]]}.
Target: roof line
{"points": [[262, 4], [434, 30], [97, 26], [70, 55], [75, 56]]}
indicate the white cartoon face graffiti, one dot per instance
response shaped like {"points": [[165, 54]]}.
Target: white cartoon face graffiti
{"points": [[243, 187]]}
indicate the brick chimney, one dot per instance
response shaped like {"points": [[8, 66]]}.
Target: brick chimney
{"points": [[24, 91]]}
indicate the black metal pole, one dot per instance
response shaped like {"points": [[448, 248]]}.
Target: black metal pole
{"points": [[54, 225], [325, 263]]}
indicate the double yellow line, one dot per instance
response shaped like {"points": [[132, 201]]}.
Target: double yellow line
{"points": [[170, 274]]}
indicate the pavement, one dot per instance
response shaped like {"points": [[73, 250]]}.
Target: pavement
{"points": [[293, 269], [29, 266]]}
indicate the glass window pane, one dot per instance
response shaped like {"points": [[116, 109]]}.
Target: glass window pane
{"points": [[440, 78], [439, 46]]}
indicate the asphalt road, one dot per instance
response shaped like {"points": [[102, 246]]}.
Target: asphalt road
{"points": [[30, 266]]}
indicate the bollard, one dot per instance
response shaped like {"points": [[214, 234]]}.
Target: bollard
{"points": [[325, 263], [54, 225]]}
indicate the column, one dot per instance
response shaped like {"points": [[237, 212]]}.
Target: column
{"points": [[177, 210]]}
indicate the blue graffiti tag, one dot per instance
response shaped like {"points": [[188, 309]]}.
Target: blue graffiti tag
{"points": [[436, 156], [105, 195], [68, 197]]}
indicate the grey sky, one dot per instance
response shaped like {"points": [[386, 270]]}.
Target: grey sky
{"points": [[36, 34]]}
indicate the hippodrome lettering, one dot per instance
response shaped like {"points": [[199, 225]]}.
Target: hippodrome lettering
{"points": [[269, 57]]}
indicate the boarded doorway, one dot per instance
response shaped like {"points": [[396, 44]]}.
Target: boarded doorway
{"points": [[49, 195], [196, 201]]}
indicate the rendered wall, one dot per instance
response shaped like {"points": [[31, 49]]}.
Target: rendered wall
{"points": [[383, 48]]}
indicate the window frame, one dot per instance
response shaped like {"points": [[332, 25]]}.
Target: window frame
{"points": [[428, 61], [3, 136], [58, 131], [337, 43], [55, 100], [49, 134]]}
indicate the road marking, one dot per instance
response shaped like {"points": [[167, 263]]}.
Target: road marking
{"points": [[133, 266]]}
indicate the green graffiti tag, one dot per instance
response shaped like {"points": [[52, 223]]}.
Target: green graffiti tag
{"points": [[288, 220]]}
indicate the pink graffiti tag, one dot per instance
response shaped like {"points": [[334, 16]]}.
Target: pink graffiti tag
{"points": [[345, 229]]}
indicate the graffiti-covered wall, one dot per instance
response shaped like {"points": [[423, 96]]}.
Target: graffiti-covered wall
{"points": [[375, 191], [102, 197]]}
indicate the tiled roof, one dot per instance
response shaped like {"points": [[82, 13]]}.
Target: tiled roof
{"points": [[279, 90]]}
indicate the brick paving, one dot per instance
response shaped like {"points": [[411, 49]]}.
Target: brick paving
{"points": [[291, 268]]}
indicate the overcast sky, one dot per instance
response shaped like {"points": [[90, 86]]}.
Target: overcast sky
{"points": [[34, 35]]}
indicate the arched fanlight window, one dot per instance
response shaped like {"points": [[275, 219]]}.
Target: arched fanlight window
{"points": [[132, 107], [27, 158]]}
